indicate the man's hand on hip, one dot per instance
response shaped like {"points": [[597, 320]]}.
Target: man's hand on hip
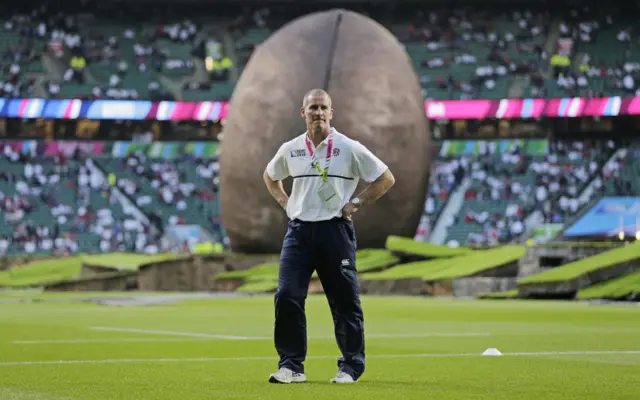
{"points": [[348, 210], [283, 203]]}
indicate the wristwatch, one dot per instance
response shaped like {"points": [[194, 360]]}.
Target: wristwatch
{"points": [[355, 201]]}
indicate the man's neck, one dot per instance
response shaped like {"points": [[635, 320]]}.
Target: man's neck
{"points": [[317, 137]]}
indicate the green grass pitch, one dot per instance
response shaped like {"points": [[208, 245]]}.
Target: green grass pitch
{"points": [[417, 348]]}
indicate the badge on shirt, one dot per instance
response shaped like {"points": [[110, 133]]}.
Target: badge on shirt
{"points": [[329, 196]]}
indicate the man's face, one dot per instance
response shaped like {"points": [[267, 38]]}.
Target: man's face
{"points": [[317, 112]]}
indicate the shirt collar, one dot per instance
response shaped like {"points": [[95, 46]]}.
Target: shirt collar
{"points": [[325, 141]]}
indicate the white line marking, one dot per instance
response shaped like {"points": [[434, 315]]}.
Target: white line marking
{"points": [[16, 394], [123, 340], [169, 333], [230, 337], [419, 335], [576, 353], [189, 339], [271, 358]]}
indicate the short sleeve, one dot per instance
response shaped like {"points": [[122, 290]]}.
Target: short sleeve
{"points": [[277, 169], [365, 164]]}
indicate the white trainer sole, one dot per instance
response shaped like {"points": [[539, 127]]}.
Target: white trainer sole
{"points": [[334, 380], [299, 379]]}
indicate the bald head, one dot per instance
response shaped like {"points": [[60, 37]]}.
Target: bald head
{"points": [[317, 112], [315, 94]]}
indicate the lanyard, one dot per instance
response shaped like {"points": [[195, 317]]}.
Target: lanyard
{"points": [[323, 174]]}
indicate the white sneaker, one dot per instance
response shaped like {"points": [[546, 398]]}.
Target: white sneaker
{"points": [[285, 375], [343, 377]]}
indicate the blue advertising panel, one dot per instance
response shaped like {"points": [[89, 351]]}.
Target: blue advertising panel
{"points": [[608, 217]]}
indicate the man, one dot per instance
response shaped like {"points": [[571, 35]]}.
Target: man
{"points": [[325, 166]]}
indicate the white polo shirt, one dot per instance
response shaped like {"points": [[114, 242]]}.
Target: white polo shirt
{"points": [[350, 161]]}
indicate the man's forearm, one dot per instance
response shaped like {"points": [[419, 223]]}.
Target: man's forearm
{"points": [[277, 190], [376, 189]]}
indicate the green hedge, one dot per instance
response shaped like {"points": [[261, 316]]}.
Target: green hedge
{"points": [[65, 268], [409, 270], [369, 259], [509, 294], [366, 260], [127, 260], [260, 270], [582, 267], [258, 285], [477, 262], [409, 246], [454, 267], [42, 272], [613, 289]]}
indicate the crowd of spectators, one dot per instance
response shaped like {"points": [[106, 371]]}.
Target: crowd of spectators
{"points": [[82, 40], [507, 188], [50, 204], [498, 43], [171, 187], [107, 51], [582, 67], [463, 37], [63, 204], [445, 177], [18, 56]]}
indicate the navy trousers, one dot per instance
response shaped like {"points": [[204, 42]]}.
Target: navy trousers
{"points": [[328, 247]]}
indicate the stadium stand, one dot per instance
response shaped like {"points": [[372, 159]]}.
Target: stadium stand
{"points": [[100, 51], [596, 54], [472, 52], [72, 199], [57, 205], [95, 51], [508, 182], [463, 53], [53, 203], [446, 175], [177, 190], [20, 65], [494, 53]]}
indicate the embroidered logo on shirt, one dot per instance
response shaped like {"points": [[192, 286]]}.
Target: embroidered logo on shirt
{"points": [[336, 152], [298, 153], [346, 262]]}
